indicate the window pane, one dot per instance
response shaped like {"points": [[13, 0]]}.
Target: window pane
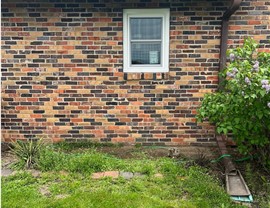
{"points": [[145, 53], [145, 28]]}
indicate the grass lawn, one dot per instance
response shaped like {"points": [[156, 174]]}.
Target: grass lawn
{"points": [[65, 181]]}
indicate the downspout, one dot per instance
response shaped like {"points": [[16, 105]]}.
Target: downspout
{"points": [[235, 4], [236, 186]]}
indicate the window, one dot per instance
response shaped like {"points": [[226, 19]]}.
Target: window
{"points": [[146, 40]]}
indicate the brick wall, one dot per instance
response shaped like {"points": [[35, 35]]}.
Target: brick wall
{"points": [[62, 71], [251, 20]]}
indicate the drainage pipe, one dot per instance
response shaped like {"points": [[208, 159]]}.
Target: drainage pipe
{"points": [[232, 174], [227, 161], [235, 4]]}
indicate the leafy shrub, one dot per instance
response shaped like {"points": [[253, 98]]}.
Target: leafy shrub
{"points": [[27, 152], [243, 106]]}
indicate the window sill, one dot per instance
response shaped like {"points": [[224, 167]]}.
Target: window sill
{"points": [[146, 76]]}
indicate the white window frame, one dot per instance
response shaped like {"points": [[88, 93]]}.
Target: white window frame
{"points": [[164, 57]]}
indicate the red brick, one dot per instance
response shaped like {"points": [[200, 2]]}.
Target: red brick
{"points": [[112, 174], [68, 47], [97, 175], [16, 19], [76, 120], [254, 22]]}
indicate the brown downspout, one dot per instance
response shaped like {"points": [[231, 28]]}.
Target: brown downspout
{"points": [[235, 4], [224, 31]]}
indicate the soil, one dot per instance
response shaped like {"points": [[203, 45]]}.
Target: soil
{"points": [[129, 151], [44, 190], [7, 158]]}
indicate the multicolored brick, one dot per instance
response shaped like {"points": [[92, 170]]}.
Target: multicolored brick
{"points": [[63, 79]]}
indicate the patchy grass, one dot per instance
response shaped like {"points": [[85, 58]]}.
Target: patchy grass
{"points": [[66, 181]]}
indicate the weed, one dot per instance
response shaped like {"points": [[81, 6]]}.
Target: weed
{"points": [[27, 152], [22, 178], [259, 185], [51, 160], [87, 162], [138, 145], [201, 159]]}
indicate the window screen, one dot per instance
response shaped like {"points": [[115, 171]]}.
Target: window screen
{"points": [[146, 40]]}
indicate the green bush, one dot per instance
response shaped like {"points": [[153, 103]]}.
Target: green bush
{"points": [[243, 106]]}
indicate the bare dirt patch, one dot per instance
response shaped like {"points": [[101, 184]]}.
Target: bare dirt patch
{"points": [[44, 190], [6, 160], [130, 151]]}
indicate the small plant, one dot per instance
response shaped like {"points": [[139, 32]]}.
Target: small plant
{"points": [[138, 145], [259, 184], [28, 152], [243, 106], [202, 159]]}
